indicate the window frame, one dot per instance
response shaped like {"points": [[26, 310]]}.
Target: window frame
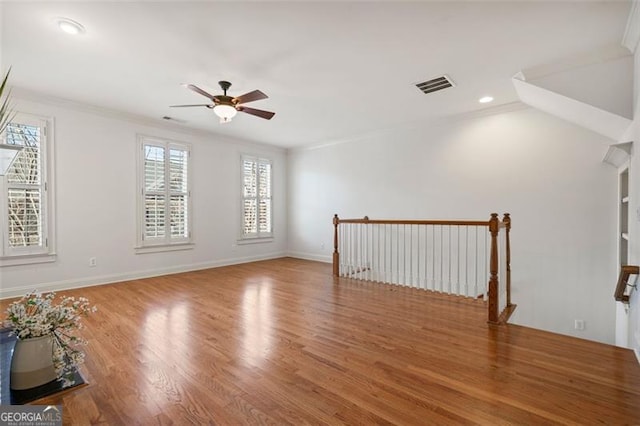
{"points": [[168, 243], [257, 236], [12, 256]]}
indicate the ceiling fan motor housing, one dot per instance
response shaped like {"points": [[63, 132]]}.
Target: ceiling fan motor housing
{"points": [[225, 100]]}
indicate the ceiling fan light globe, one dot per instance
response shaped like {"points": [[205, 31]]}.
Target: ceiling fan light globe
{"points": [[226, 112]]}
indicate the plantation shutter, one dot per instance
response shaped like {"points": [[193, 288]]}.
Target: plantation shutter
{"points": [[256, 198], [264, 197], [250, 192], [165, 193], [26, 190], [178, 193], [154, 192]]}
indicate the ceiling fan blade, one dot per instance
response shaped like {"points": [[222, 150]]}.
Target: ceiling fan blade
{"points": [[199, 91], [256, 95], [196, 105], [268, 115]]}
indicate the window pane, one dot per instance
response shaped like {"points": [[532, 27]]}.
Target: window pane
{"points": [[265, 216], [154, 206], [178, 170], [178, 216], [249, 217], [153, 168], [249, 181], [26, 167], [25, 225], [265, 180]]}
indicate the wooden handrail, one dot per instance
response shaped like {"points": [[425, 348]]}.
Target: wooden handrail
{"points": [[366, 220], [623, 282]]}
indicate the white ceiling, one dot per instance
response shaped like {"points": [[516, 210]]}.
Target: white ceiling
{"points": [[331, 69]]}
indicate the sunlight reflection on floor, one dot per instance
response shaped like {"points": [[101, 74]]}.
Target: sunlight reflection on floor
{"points": [[166, 339], [257, 322]]}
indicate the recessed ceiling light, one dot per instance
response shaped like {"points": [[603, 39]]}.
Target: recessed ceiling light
{"points": [[70, 26], [485, 99]]}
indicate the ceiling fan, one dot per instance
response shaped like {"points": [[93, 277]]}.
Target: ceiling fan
{"points": [[226, 107]]}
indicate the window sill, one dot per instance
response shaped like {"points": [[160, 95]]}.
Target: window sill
{"points": [[163, 248], [255, 240], [27, 259]]}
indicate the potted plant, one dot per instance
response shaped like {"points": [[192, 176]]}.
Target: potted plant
{"points": [[48, 346], [5, 112]]}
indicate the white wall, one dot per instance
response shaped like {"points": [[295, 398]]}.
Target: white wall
{"points": [[547, 173], [634, 204], [96, 202]]}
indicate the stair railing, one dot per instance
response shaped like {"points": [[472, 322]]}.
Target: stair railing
{"points": [[459, 257]]}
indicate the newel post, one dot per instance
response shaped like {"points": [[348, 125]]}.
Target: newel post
{"points": [[507, 226], [336, 254], [494, 228]]}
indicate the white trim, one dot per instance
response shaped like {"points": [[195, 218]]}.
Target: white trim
{"points": [[163, 248], [117, 278], [28, 259], [600, 55], [631, 38], [311, 256], [46, 252], [254, 240], [258, 236], [166, 144]]}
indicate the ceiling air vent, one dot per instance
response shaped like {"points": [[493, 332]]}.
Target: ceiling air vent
{"points": [[435, 84]]}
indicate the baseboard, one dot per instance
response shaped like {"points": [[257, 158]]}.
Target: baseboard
{"points": [[114, 278], [310, 256]]}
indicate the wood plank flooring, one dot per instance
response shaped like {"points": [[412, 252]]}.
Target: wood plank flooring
{"points": [[281, 342]]}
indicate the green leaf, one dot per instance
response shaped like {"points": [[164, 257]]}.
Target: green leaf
{"points": [[6, 114]]}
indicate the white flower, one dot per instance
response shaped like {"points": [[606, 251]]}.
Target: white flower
{"points": [[35, 315]]}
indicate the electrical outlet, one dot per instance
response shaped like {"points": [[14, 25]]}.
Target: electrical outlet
{"points": [[579, 324], [322, 246], [93, 261]]}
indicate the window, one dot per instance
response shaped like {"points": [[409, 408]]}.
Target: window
{"points": [[26, 201], [257, 210], [164, 195]]}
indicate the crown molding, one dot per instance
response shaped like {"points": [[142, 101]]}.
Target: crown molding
{"points": [[435, 122], [22, 94], [603, 54], [631, 37]]}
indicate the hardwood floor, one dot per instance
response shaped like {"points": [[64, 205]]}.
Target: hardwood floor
{"points": [[279, 342]]}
